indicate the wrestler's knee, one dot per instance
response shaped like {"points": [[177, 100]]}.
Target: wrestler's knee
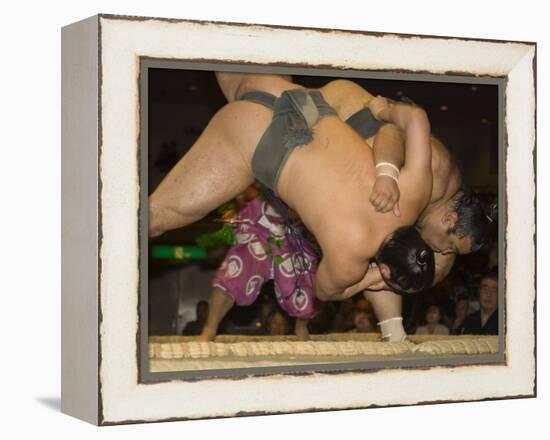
{"points": [[156, 226], [161, 218], [165, 216]]}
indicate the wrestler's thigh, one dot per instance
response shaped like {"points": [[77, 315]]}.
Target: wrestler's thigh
{"points": [[217, 167]]}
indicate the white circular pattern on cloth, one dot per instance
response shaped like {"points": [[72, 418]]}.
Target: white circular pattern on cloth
{"points": [[254, 282], [301, 263], [267, 209], [277, 292], [285, 267], [243, 237], [257, 250], [300, 300], [277, 230], [296, 265], [234, 266]]}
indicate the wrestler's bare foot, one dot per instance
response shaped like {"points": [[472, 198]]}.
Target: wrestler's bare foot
{"points": [[207, 335], [220, 303]]}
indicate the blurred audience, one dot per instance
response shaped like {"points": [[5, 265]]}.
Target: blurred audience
{"points": [[324, 317], [265, 311], [194, 328], [343, 320], [364, 319], [450, 308], [462, 309], [485, 320], [278, 324], [433, 323]]}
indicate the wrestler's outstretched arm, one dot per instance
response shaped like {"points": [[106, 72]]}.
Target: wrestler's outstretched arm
{"points": [[387, 308], [387, 304]]}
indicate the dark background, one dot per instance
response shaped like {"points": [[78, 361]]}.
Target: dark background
{"points": [[181, 102]]}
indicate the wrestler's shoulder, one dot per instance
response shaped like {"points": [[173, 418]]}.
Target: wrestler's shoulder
{"points": [[352, 238]]}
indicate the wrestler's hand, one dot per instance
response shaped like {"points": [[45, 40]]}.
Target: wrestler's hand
{"points": [[385, 195], [377, 106]]}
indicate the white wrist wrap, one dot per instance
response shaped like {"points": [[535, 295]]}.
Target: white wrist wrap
{"points": [[392, 329], [388, 164], [389, 175], [387, 169]]}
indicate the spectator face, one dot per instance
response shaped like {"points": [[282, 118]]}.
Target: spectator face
{"points": [[462, 307], [432, 315], [362, 321], [202, 311], [363, 304], [488, 295]]}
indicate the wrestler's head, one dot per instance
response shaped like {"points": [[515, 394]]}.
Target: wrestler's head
{"points": [[459, 226], [405, 261]]}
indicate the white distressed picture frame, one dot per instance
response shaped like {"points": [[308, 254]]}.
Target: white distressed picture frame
{"points": [[101, 225]]}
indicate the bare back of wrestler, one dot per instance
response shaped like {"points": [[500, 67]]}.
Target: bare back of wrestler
{"points": [[388, 145], [327, 182], [347, 98]]}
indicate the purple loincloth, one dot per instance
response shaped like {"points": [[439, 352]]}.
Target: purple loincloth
{"points": [[247, 265]]}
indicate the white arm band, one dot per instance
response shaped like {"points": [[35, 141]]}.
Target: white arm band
{"points": [[388, 175], [387, 169], [389, 164]]}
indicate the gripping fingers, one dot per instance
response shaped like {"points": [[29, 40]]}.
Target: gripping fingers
{"points": [[386, 205], [373, 196], [396, 210], [379, 201]]}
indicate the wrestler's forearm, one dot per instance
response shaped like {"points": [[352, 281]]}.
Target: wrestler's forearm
{"points": [[386, 304], [387, 307], [337, 296], [327, 290], [414, 122], [389, 146], [345, 293], [404, 116]]}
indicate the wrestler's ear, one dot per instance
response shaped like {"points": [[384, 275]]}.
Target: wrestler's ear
{"points": [[385, 270], [449, 219]]}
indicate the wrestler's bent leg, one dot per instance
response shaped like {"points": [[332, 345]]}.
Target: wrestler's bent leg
{"points": [[213, 171], [218, 306], [301, 330]]}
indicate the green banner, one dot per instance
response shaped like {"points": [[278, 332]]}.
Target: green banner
{"points": [[178, 252]]}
